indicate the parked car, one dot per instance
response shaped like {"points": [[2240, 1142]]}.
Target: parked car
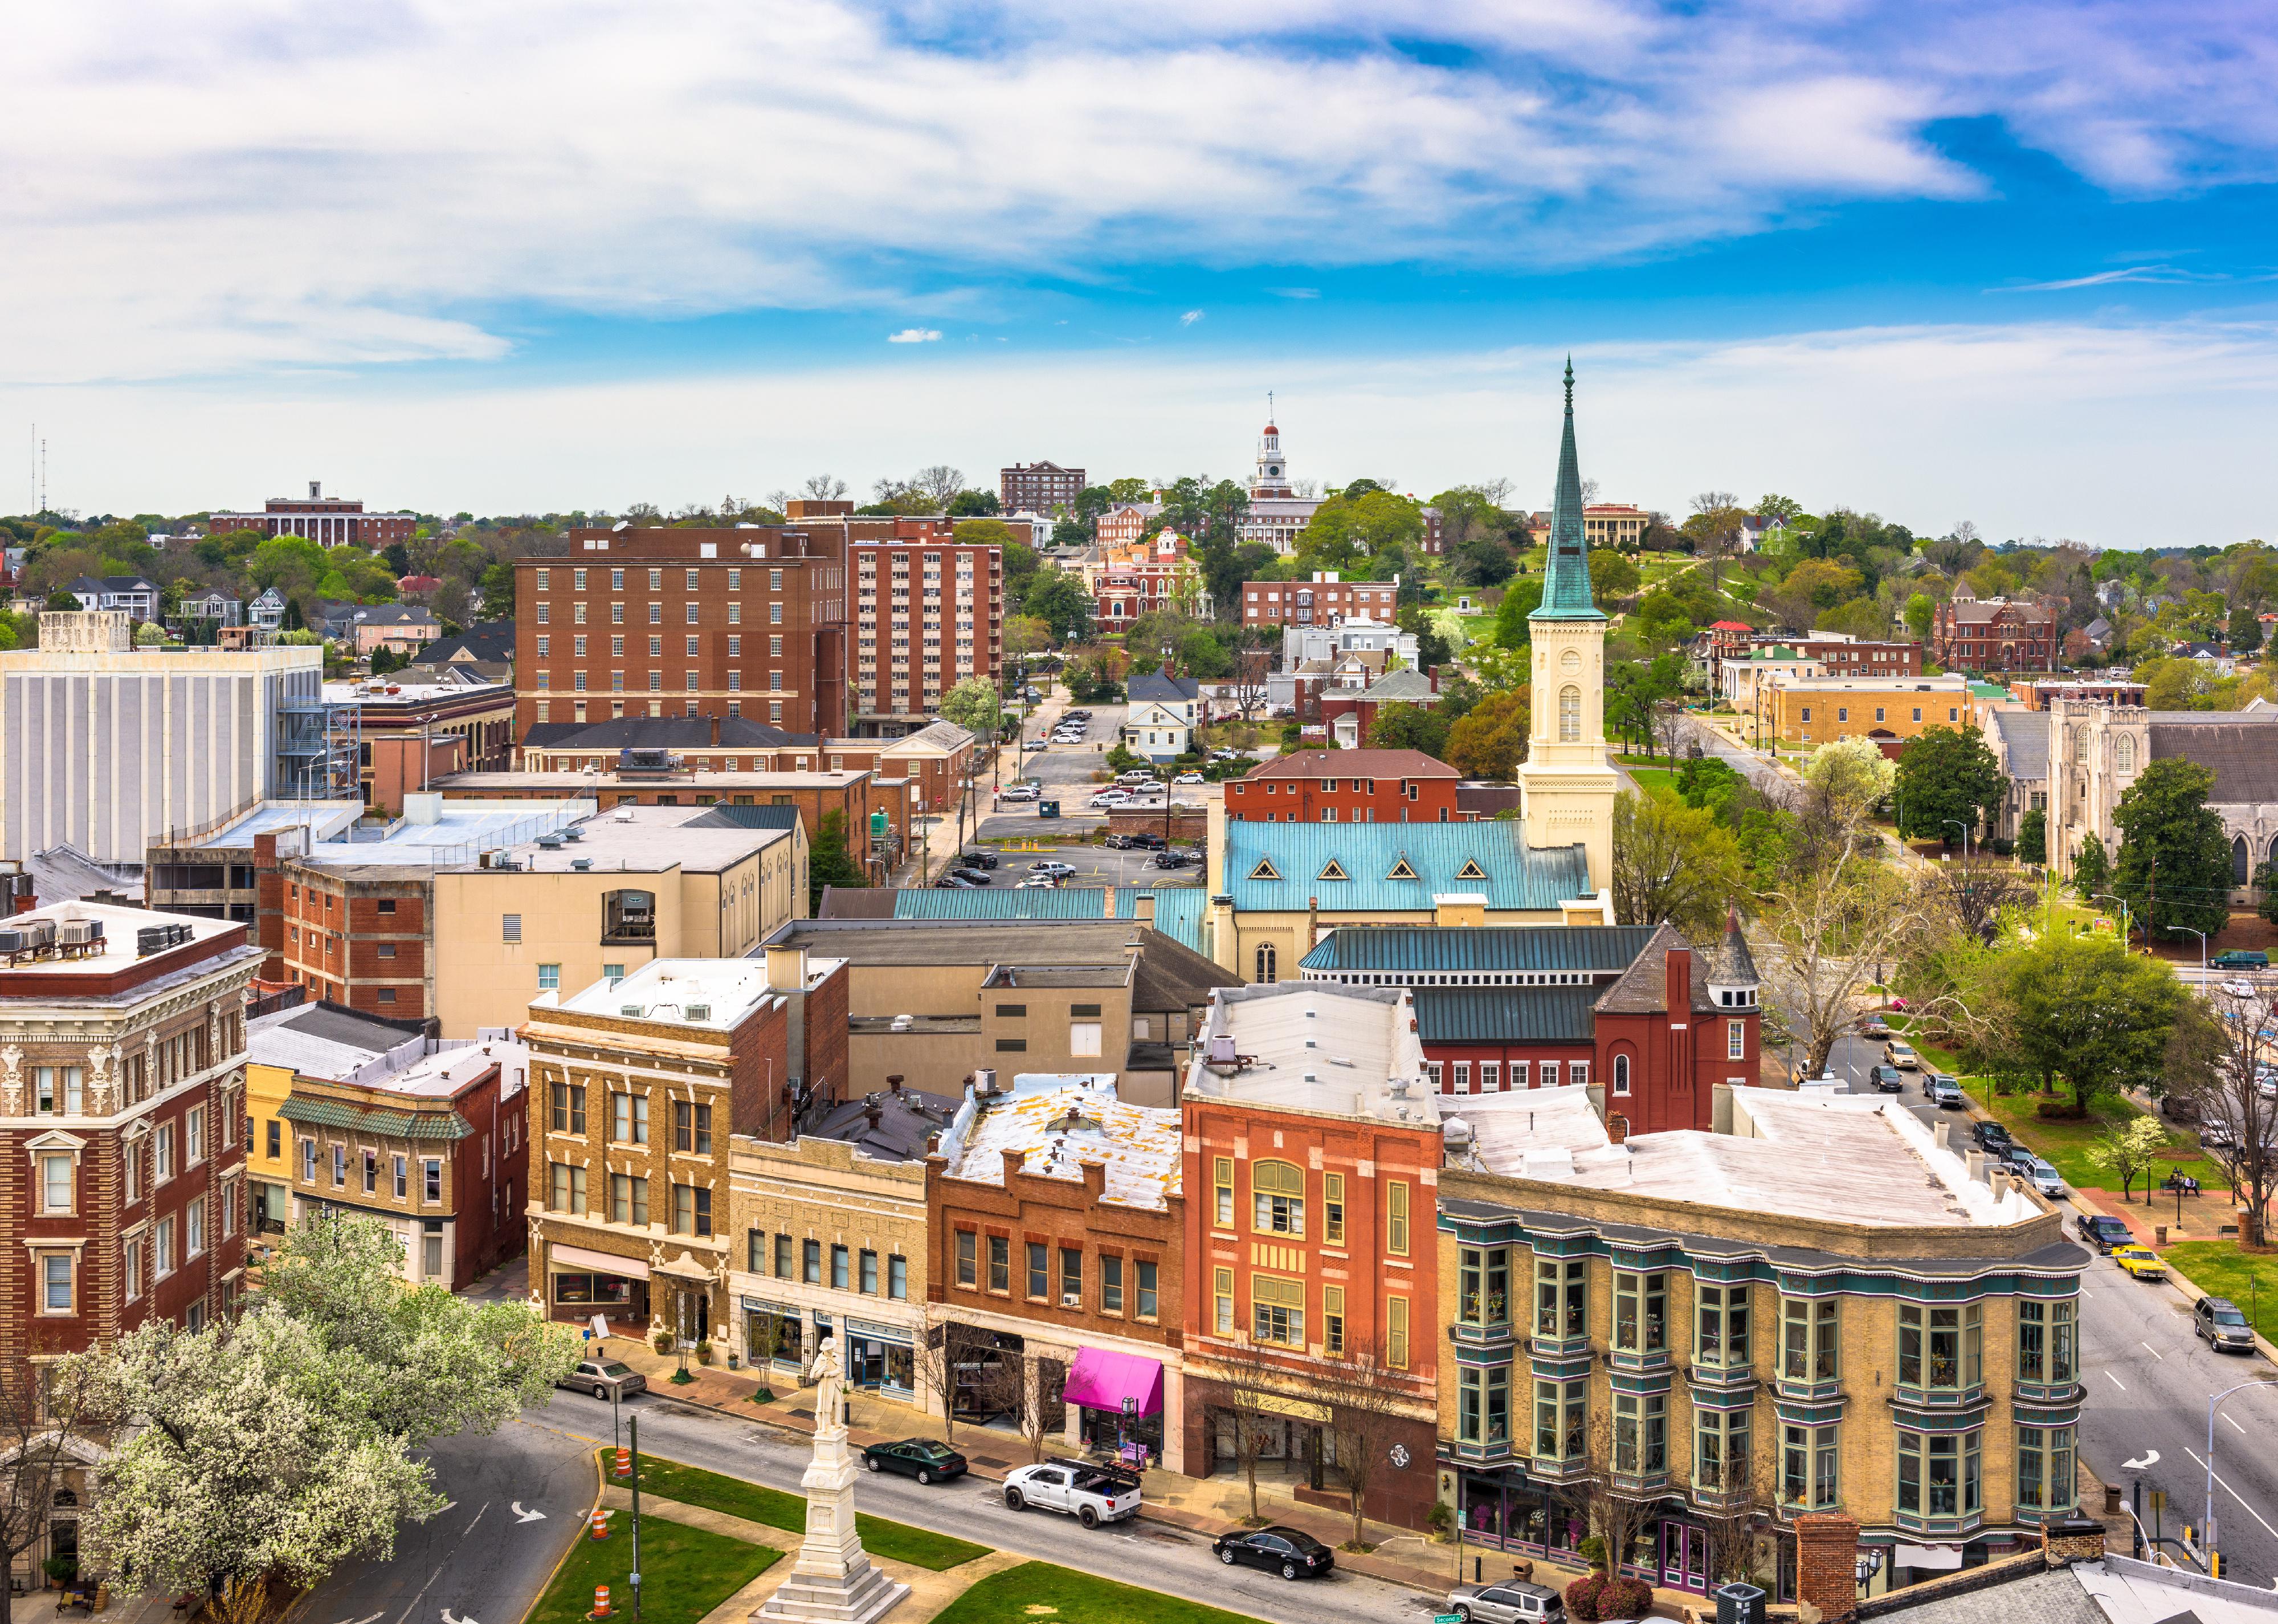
{"points": [[1119, 842], [1018, 792], [1188, 778], [1991, 1136], [1873, 1026], [2102, 1231], [1512, 1601], [1945, 1092], [1148, 841], [1169, 859], [2241, 958], [1038, 882], [1053, 866], [2217, 1320], [927, 1460], [981, 860], [2238, 988], [1089, 1492], [2018, 1157], [1110, 799], [2141, 1262], [1886, 1079], [1901, 1053], [972, 876], [954, 881], [1290, 1553], [602, 1377], [2045, 1178], [2215, 1134]]}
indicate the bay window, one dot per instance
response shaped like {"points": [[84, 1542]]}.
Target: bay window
{"points": [[1640, 1311], [1562, 1297], [1720, 1317], [1486, 1285]]}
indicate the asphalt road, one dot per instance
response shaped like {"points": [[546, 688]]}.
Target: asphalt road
{"points": [[479, 1563], [2149, 1379]]}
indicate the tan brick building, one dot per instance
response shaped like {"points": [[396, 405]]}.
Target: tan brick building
{"points": [[1815, 711], [1826, 1307], [636, 1088]]}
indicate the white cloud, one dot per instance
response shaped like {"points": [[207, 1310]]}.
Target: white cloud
{"points": [[1190, 318], [2129, 436], [914, 335], [424, 180]]}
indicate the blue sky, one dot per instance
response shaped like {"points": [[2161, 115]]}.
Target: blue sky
{"points": [[2009, 261]]}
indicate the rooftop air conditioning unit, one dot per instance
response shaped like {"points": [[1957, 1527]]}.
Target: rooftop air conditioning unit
{"points": [[13, 941], [902, 1023], [79, 932], [581, 863], [148, 940], [632, 1012], [699, 1012]]}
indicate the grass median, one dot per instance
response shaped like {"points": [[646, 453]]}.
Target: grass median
{"points": [[1039, 1591], [2220, 1269], [686, 1572], [733, 1497]]}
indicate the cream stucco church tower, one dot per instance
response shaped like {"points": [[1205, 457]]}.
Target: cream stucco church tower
{"points": [[1567, 785]]}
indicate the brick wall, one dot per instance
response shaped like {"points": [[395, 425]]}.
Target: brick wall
{"points": [[1827, 1547]]}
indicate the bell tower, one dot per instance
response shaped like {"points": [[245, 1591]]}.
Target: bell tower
{"points": [[1567, 785], [1271, 478]]}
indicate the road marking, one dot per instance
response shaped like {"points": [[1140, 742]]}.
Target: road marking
{"points": [[2234, 1494], [447, 1619], [2150, 1459], [2234, 1424], [2115, 1380], [2155, 1352], [526, 1516]]}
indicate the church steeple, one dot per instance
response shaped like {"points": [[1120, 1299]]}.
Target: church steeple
{"points": [[1566, 577]]}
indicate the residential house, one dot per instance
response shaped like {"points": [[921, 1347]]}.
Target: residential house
{"points": [[1159, 724], [215, 609], [136, 595], [1348, 715], [266, 612]]}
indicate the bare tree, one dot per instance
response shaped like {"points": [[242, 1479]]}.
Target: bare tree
{"points": [[1617, 1514], [1715, 526], [1736, 1504], [823, 488], [1250, 668], [1368, 1411], [943, 1348], [1496, 490], [2218, 1056], [939, 481], [1831, 924], [1247, 1379], [50, 1425], [1016, 1386], [1969, 895]]}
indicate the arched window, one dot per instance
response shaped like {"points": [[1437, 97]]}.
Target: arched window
{"points": [[1621, 1074], [1277, 1194], [2241, 866], [2080, 743], [2123, 754], [1265, 961], [1569, 714]]}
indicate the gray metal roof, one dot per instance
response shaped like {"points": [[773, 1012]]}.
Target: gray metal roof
{"points": [[1505, 1014], [1602, 948], [2025, 735]]}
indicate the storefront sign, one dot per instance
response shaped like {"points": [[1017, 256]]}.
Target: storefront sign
{"points": [[1303, 1410], [901, 1334]]}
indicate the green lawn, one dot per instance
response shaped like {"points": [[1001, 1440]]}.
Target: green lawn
{"points": [[686, 1572], [1654, 780], [773, 1508], [1048, 1595], [2221, 1269]]}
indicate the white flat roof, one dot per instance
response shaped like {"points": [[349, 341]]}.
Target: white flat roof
{"points": [[649, 840], [664, 989], [1318, 1045], [115, 948], [1842, 1157]]}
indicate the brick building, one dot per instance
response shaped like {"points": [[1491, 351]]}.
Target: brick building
{"points": [[410, 733], [927, 615], [1633, 1008], [1347, 786], [1322, 601], [437, 1149], [1815, 709], [1056, 1215], [1041, 488], [1968, 633], [331, 521], [686, 622], [2046, 695], [637, 1087], [122, 1164], [1313, 1151]]}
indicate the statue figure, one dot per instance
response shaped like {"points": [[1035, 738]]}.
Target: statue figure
{"points": [[830, 1375]]}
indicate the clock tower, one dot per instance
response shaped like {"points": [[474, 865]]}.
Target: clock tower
{"points": [[1567, 785]]}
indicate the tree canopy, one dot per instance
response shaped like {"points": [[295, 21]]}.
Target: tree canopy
{"points": [[2173, 866], [2084, 1011], [1946, 773], [1490, 740]]}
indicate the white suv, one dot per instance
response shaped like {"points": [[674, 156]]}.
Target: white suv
{"points": [[1091, 1493]]}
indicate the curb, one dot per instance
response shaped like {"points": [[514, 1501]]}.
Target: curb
{"points": [[600, 1487]]}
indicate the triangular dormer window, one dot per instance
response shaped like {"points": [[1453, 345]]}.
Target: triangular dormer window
{"points": [[1264, 870], [1400, 871], [1333, 869], [1471, 869]]}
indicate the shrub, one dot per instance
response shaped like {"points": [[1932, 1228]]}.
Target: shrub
{"points": [[1439, 1519], [1592, 1550], [1624, 1598], [1582, 1598], [2060, 1111], [662, 1342], [704, 1352]]}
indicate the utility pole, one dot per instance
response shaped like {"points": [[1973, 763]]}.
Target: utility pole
{"points": [[633, 1425]]}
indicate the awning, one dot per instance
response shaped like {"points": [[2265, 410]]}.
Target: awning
{"points": [[1926, 1556], [606, 1263], [1099, 1379]]}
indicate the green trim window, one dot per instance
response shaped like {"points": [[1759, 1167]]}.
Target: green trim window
{"points": [[1640, 1311], [1943, 1349], [2045, 1469], [1809, 1342], [1720, 1450], [1562, 1415], [1277, 1195], [1332, 1208], [2045, 1343], [1484, 1273], [1222, 1186], [1483, 1405], [1720, 1326], [1938, 1474], [1641, 1432], [1809, 1467], [1277, 1309], [1561, 1298]]}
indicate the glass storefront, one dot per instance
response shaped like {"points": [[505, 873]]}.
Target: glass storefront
{"points": [[613, 1295]]}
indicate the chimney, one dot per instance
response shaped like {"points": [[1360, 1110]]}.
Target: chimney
{"points": [[1617, 1129], [1012, 1160], [872, 1110], [894, 1083], [716, 730], [1827, 1575], [1681, 984], [1095, 1182]]}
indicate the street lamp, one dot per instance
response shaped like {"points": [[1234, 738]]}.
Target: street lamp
{"points": [[1957, 823], [2105, 896], [1867, 1564], [2214, 1562], [2203, 947]]}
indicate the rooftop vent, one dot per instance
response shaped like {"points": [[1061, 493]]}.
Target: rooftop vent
{"points": [[549, 843], [573, 832], [581, 863], [1456, 1133], [699, 1012]]}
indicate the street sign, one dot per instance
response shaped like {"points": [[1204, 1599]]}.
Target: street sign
{"points": [[2158, 1499]]}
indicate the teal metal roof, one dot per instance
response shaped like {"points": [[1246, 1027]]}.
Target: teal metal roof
{"points": [[1504, 1014], [445, 1125], [1566, 576], [1604, 949], [1394, 867], [1178, 909]]}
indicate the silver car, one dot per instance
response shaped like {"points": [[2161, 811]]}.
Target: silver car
{"points": [[1512, 1601], [603, 1376]]}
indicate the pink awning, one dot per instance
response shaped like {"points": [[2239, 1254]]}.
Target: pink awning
{"points": [[1099, 1379]]}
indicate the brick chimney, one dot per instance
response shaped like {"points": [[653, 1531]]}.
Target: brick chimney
{"points": [[1095, 1182], [1680, 983], [1617, 1129], [1826, 1559]]}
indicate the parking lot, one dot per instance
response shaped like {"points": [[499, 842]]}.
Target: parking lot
{"points": [[1094, 866]]}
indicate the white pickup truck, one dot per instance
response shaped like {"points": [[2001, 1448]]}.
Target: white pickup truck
{"points": [[1089, 1492]]}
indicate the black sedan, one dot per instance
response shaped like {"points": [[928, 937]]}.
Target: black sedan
{"points": [[1886, 1079], [1290, 1553], [927, 1460]]}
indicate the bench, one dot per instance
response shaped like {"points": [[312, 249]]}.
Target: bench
{"points": [[2228, 1231], [2181, 1182]]}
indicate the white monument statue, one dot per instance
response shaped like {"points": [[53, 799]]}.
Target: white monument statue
{"points": [[833, 1580]]}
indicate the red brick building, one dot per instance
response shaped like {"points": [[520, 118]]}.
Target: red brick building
{"points": [[1345, 786], [1312, 1264], [1057, 1220], [123, 1101], [1993, 635], [1324, 600], [1634, 1008], [331, 521], [927, 615]]}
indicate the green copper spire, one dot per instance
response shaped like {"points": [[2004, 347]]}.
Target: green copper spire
{"points": [[1566, 577]]}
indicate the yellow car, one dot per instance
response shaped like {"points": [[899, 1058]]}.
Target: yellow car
{"points": [[2140, 1261]]}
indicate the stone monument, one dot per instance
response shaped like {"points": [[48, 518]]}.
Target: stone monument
{"points": [[833, 1580]]}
